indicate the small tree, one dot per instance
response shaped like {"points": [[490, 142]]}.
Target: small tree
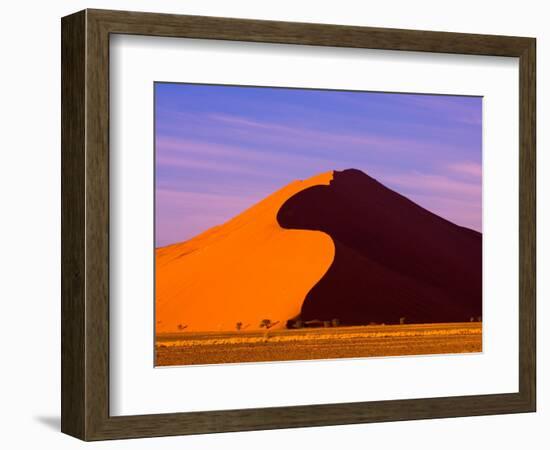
{"points": [[335, 322], [239, 326], [265, 323]]}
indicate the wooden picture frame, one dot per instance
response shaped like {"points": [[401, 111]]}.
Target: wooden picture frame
{"points": [[85, 224]]}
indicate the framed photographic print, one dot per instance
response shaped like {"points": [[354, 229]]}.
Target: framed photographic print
{"points": [[274, 241], [266, 224]]}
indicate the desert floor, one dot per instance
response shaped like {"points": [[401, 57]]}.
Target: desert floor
{"points": [[316, 343]]}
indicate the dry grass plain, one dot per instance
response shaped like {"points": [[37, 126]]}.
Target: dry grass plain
{"points": [[187, 348]]}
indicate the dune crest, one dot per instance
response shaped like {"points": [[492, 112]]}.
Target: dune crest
{"points": [[239, 272]]}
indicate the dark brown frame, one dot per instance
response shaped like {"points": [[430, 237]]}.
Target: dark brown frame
{"points": [[85, 224]]}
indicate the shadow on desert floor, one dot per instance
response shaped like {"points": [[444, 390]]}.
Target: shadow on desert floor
{"points": [[51, 422]]}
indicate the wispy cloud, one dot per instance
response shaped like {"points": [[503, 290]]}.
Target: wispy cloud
{"points": [[434, 184], [210, 165], [470, 169], [465, 110], [182, 214], [466, 213], [298, 135], [209, 150]]}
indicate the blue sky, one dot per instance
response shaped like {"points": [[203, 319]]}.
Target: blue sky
{"points": [[220, 149]]}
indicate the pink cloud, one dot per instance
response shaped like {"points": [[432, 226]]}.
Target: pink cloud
{"points": [[190, 199], [466, 213], [206, 164], [458, 201], [185, 213], [434, 184], [466, 168]]}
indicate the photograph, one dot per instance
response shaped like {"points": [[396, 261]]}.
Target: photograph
{"points": [[299, 224]]}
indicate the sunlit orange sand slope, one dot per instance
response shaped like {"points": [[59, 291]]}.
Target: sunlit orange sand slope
{"points": [[240, 271]]}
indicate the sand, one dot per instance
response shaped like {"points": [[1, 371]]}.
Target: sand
{"points": [[239, 272]]}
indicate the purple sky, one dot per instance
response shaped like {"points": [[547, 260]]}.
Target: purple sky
{"points": [[220, 149]]}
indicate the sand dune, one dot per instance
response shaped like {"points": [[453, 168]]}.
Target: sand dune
{"points": [[339, 245], [393, 258], [245, 270]]}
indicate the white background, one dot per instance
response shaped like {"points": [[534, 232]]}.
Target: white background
{"points": [[30, 236], [136, 387]]}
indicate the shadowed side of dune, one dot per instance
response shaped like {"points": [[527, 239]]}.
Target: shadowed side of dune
{"points": [[393, 258]]}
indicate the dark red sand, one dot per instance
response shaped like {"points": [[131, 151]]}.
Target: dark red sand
{"points": [[394, 259]]}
